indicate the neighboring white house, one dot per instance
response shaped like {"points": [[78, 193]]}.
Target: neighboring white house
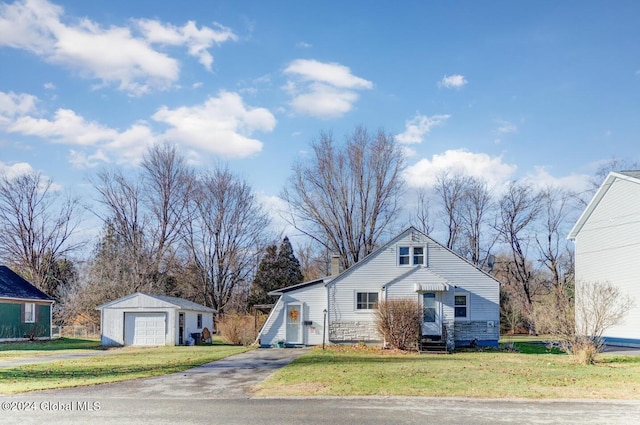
{"points": [[144, 319], [459, 300], [607, 247]]}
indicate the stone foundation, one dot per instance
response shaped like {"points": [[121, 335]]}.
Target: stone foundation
{"points": [[353, 332], [465, 332]]}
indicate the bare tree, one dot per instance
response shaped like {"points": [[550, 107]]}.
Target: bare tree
{"points": [[125, 228], [422, 218], [36, 227], [451, 188], [314, 260], [519, 208], [476, 205], [225, 235], [346, 197], [168, 182], [555, 252], [614, 164], [148, 212], [579, 326]]}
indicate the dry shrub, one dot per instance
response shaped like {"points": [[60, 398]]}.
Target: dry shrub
{"points": [[399, 321], [579, 325], [237, 329]]}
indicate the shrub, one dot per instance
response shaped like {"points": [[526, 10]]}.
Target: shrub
{"points": [[399, 321], [237, 329]]}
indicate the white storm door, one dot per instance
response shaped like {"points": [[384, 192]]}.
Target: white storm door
{"points": [[431, 314], [294, 323]]}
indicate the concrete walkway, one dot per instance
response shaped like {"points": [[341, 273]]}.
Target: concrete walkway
{"points": [[228, 378]]}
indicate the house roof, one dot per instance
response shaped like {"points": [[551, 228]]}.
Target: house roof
{"points": [[14, 286], [298, 286], [630, 176], [419, 274], [171, 302]]}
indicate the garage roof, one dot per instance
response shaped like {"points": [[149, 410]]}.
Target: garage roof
{"points": [[147, 300]]}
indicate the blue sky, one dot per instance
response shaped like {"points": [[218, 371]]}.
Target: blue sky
{"points": [[546, 90]]}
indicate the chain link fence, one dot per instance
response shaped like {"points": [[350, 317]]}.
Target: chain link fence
{"points": [[75, 331]]}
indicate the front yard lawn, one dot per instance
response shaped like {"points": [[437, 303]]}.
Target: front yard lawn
{"points": [[124, 364], [16, 350], [362, 371]]}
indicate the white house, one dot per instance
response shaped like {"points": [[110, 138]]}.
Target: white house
{"points": [[144, 319], [460, 302], [607, 247]]}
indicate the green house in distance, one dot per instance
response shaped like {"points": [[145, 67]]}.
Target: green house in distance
{"points": [[25, 311]]}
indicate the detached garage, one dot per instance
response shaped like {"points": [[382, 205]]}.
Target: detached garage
{"points": [[144, 319]]}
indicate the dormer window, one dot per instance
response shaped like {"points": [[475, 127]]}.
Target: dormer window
{"points": [[411, 255]]}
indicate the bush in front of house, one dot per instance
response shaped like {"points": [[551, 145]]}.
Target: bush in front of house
{"points": [[237, 329], [398, 321]]}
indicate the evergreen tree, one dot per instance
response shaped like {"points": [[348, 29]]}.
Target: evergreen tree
{"points": [[278, 268], [288, 265]]}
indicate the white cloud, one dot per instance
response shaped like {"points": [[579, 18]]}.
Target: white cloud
{"points": [[66, 127], [323, 90], [15, 170], [505, 127], [492, 169], [541, 178], [49, 86], [198, 41], [12, 105], [455, 81], [81, 160], [111, 55], [222, 125], [419, 126], [303, 45]]}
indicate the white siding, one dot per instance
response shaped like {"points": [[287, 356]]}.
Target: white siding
{"points": [[383, 271], [483, 290], [113, 326], [313, 299], [608, 249]]}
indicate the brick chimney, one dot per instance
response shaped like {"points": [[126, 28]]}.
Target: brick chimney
{"points": [[335, 264]]}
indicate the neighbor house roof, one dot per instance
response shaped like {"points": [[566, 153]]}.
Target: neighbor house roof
{"points": [[630, 176], [13, 286], [175, 302]]}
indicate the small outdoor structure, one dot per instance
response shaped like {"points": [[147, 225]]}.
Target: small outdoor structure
{"points": [[145, 319], [460, 302], [25, 311], [607, 248]]}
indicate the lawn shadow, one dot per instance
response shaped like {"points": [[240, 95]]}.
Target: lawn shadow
{"points": [[53, 345]]}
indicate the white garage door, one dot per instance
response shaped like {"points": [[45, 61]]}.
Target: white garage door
{"points": [[144, 328]]}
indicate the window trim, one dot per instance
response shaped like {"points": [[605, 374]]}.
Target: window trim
{"points": [[411, 256], [199, 321], [32, 310], [466, 306], [368, 302]]}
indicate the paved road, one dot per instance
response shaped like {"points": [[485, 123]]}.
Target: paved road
{"points": [[218, 393]]}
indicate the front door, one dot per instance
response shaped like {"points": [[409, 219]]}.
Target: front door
{"points": [[294, 323], [431, 314]]}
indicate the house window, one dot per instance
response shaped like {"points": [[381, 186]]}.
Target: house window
{"points": [[403, 255], [29, 313], [461, 307], [410, 255], [418, 255], [366, 300], [199, 321]]}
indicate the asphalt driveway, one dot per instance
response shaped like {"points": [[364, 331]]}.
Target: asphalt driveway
{"points": [[228, 378]]}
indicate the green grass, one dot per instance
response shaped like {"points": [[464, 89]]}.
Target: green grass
{"points": [[121, 365], [16, 350], [358, 371]]}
